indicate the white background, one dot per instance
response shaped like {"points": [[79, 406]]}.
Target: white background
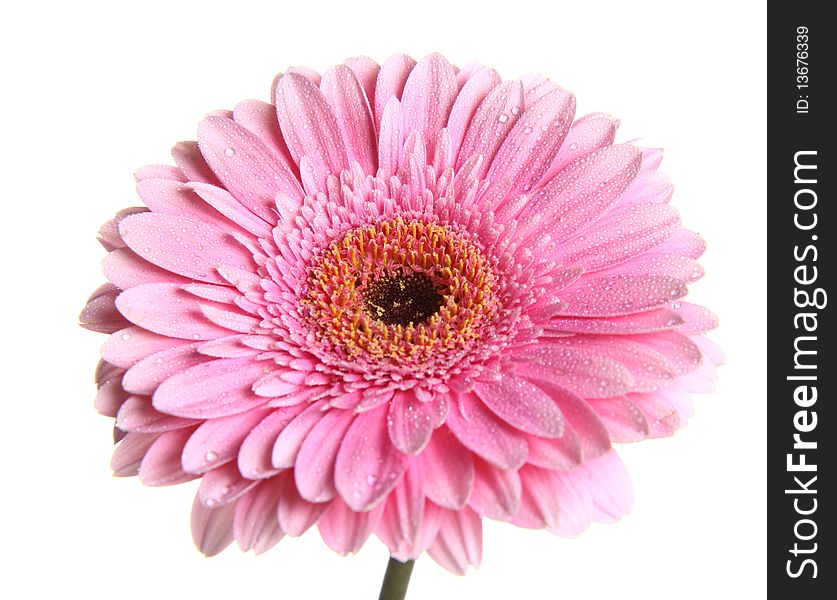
{"points": [[91, 91]]}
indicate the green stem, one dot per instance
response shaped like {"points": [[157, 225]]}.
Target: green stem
{"points": [[396, 579]]}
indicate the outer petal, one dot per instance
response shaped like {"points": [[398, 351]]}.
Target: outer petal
{"points": [[480, 431], [212, 528], [345, 530], [523, 405], [309, 126], [217, 441], [428, 96], [411, 421], [368, 465], [210, 390], [344, 94], [391, 79], [180, 316], [449, 470], [252, 172], [161, 463], [255, 525], [459, 541], [314, 466]]}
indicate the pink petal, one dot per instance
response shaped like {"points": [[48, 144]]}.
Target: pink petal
{"points": [[494, 118], [109, 232], [210, 390], [523, 405], [459, 541], [645, 322], [100, 313], [496, 492], [592, 434], [175, 198], [167, 309], [649, 369], [391, 79], [110, 397], [390, 139], [309, 126], [128, 346], [465, 106], [366, 70], [344, 94], [539, 501], [367, 466], [696, 319], [575, 503], [255, 455], [345, 530], [583, 372], [232, 346], [624, 421], [411, 421], [449, 470], [680, 351], [137, 414], [161, 464], [183, 246], [255, 525], [616, 295], [223, 485], [296, 515], [479, 430], [619, 237], [226, 204], [428, 96], [533, 142], [290, 439], [212, 528], [404, 510], [187, 156], [610, 487], [125, 269], [581, 193], [159, 172], [249, 169], [129, 453], [146, 375], [260, 118], [588, 134], [314, 466], [561, 454], [217, 441]]}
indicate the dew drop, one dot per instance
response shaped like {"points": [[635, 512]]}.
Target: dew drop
{"points": [[371, 480], [230, 152], [503, 118], [527, 130], [210, 456], [515, 110], [573, 146], [210, 502], [126, 337]]}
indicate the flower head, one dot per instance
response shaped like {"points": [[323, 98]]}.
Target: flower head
{"points": [[398, 300]]}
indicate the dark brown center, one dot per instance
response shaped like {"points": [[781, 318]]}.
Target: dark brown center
{"points": [[402, 299]]}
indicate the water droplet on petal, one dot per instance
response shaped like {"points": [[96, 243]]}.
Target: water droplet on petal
{"points": [[230, 152], [503, 118], [210, 456]]}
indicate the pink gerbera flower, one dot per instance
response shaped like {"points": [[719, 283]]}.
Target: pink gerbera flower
{"points": [[398, 300]]}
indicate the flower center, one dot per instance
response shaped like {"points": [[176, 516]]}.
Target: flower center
{"points": [[402, 299], [403, 291]]}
